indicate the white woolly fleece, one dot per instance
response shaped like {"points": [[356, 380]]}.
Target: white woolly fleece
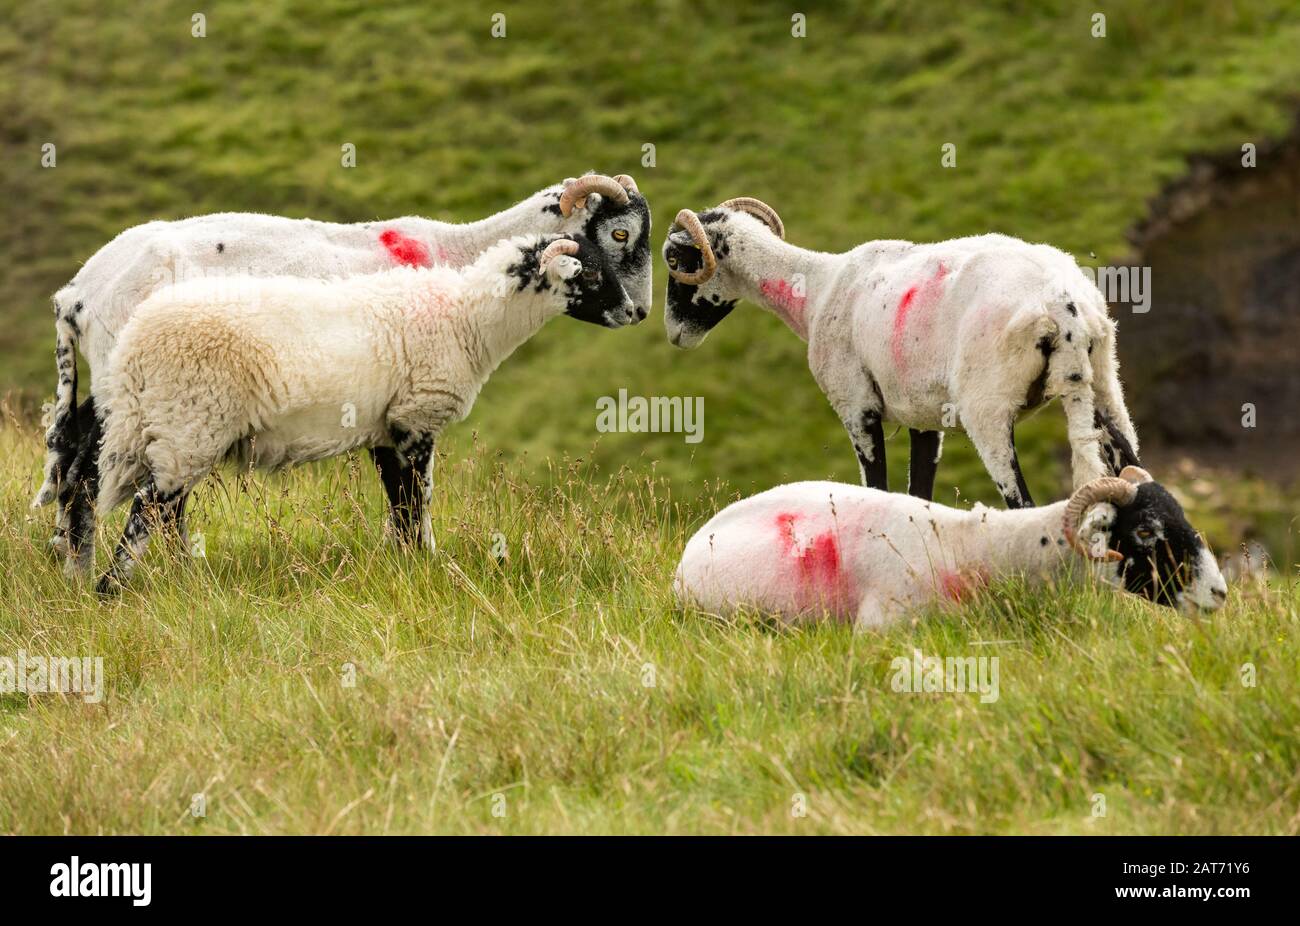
{"points": [[287, 369], [933, 336], [809, 549], [96, 305]]}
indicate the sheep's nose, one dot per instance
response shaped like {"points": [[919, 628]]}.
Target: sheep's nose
{"points": [[1220, 594], [641, 313]]}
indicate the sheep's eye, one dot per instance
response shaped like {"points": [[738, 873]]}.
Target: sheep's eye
{"points": [[620, 234], [1144, 533], [591, 276], [672, 262]]}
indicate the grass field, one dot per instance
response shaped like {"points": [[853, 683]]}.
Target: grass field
{"points": [[562, 688], [562, 691]]}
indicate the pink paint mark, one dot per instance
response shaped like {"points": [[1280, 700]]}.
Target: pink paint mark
{"points": [[404, 250], [919, 299], [963, 584], [787, 303], [821, 581]]}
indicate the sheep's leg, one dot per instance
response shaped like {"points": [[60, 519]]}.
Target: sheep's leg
{"points": [[1119, 439], [1085, 439], [994, 437], [151, 507], [409, 482], [1115, 447], [857, 400], [67, 441], [927, 447], [177, 524], [862, 418], [867, 432], [77, 498], [390, 474]]}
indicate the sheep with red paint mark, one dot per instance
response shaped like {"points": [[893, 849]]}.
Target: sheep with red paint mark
{"points": [[823, 550], [94, 308], [285, 370], [972, 333]]}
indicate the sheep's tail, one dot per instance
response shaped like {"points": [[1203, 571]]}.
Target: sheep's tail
{"points": [[63, 433], [122, 456]]}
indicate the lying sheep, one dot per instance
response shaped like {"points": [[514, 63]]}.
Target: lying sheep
{"points": [[284, 370], [971, 332], [814, 549], [92, 310]]}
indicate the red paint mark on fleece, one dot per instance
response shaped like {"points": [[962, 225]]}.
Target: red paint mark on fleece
{"points": [[788, 303], [404, 250], [920, 297], [822, 581], [962, 585]]}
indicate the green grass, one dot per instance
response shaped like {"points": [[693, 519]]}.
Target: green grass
{"points": [[224, 676], [1061, 137], [525, 679]]}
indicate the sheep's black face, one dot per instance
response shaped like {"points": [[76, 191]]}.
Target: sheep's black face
{"points": [[1165, 560], [622, 233], [595, 293], [691, 312]]}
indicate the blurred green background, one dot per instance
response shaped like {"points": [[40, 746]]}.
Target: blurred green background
{"points": [[1061, 137]]}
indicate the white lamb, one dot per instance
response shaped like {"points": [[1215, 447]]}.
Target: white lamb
{"points": [[283, 370], [971, 332], [824, 549], [92, 310]]}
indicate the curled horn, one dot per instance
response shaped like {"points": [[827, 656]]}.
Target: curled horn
{"points": [[626, 183], [691, 222], [1135, 474], [575, 194], [555, 249], [759, 210], [1106, 489]]}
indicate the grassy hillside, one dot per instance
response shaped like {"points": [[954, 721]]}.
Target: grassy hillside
{"points": [[562, 691], [562, 686], [1060, 137]]}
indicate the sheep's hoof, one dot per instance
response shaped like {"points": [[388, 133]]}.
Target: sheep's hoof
{"points": [[108, 586], [58, 545]]}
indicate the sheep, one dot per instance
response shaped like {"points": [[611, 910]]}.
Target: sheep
{"points": [[91, 311], [814, 550], [283, 370], [971, 332]]}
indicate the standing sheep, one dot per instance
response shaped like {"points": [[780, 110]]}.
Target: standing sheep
{"points": [[973, 331], [810, 549], [284, 370], [92, 310]]}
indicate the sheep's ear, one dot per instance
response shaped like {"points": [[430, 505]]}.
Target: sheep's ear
{"points": [[563, 267], [1095, 529]]}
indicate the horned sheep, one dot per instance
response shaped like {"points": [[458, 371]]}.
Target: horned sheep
{"points": [[283, 370], [92, 310], [971, 332], [813, 549]]}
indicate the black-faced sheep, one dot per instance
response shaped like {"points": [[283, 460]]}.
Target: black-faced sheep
{"points": [[815, 549], [282, 370], [92, 310], [971, 332]]}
